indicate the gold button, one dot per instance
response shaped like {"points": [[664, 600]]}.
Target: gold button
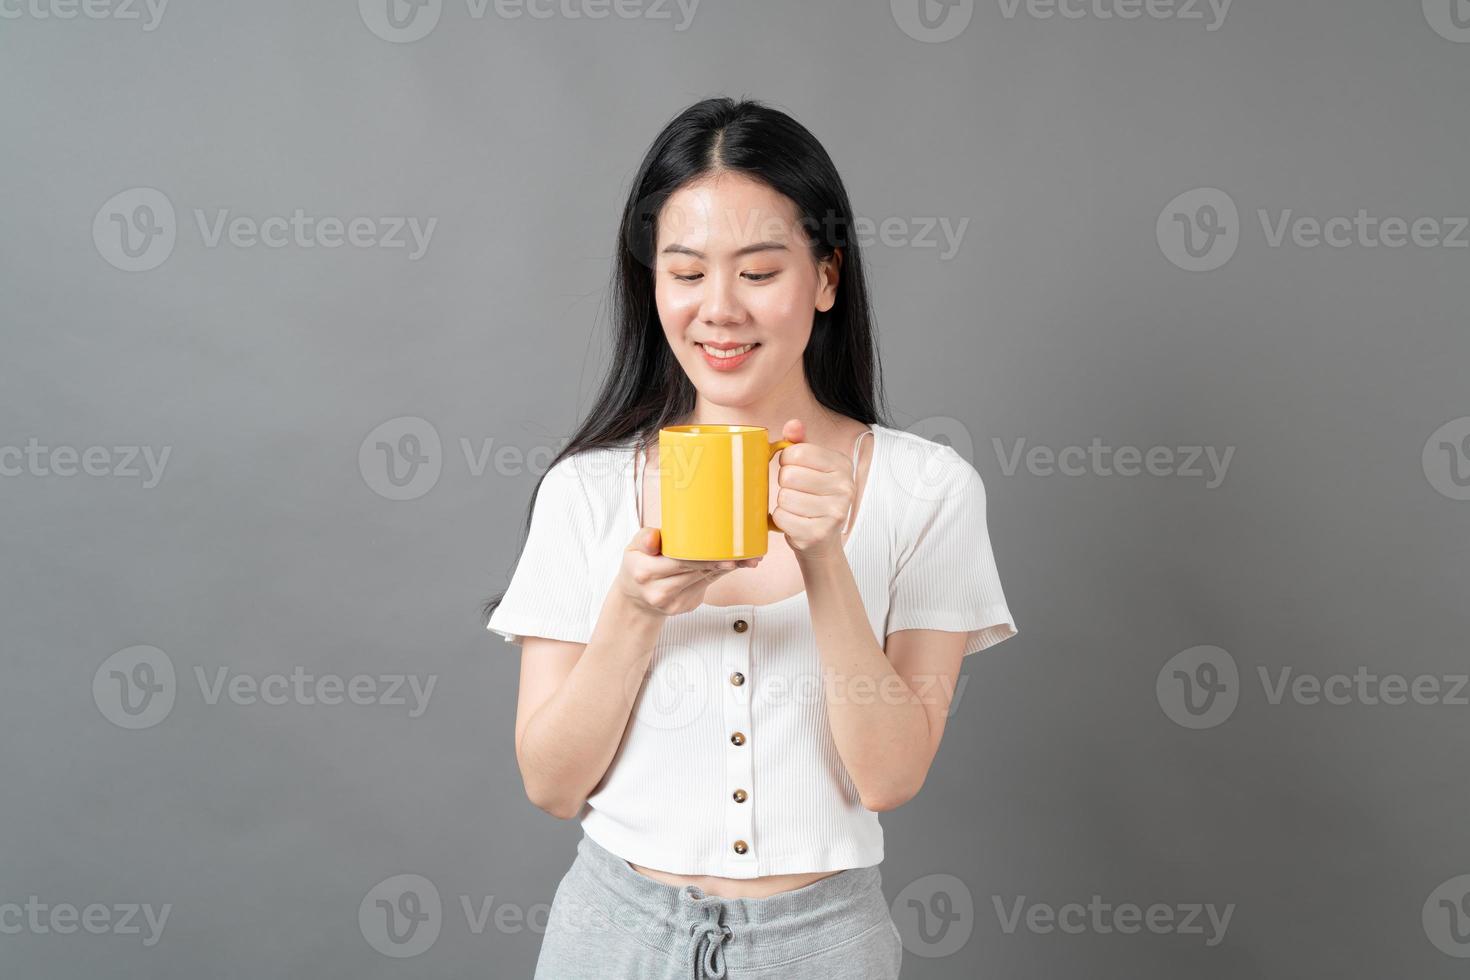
{"points": [[737, 678], [738, 738], [740, 796], [741, 626], [741, 847]]}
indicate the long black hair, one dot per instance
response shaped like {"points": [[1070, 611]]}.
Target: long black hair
{"points": [[644, 388]]}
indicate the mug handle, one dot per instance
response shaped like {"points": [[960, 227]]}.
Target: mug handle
{"points": [[771, 450]]}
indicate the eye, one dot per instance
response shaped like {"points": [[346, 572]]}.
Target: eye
{"points": [[750, 276]]}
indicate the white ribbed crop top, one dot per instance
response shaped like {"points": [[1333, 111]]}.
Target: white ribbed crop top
{"points": [[681, 794]]}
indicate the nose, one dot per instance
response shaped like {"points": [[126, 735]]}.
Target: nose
{"points": [[720, 305]]}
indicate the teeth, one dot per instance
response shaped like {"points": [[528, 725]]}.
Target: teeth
{"points": [[732, 352]]}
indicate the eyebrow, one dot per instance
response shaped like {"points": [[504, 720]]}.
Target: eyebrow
{"points": [[757, 247]]}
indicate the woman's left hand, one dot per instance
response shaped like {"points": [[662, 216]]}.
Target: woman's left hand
{"points": [[815, 495]]}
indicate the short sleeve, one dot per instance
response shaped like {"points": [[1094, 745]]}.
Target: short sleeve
{"points": [[550, 592], [946, 577]]}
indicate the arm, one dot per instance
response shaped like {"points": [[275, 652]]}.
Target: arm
{"points": [[886, 709], [887, 704], [574, 703], [576, 698]]}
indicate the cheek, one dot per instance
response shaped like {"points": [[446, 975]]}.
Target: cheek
{"points": [[676, 308], [788, 309]]}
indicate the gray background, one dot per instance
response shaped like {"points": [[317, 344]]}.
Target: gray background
{"points": [[271, 544]]}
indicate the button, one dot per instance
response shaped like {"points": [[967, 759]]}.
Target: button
{"points": [[741, 847], [737, 678], [738, 738], [740, 626], [740, 796]]}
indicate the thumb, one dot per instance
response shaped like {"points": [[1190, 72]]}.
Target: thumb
{"points": [[647, 540], [794, 430]]}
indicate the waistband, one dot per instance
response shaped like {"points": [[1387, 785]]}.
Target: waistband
{"points": [[746, 932]]}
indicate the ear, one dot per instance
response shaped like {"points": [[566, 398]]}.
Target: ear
{"points": [[827, 278]]}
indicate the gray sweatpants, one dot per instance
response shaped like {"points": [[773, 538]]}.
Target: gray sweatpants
{"points": [[609, 922]]}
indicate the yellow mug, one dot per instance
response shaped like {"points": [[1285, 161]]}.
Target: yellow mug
{"points": [[714, 481]]}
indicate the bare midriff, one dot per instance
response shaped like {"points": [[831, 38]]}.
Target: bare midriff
{"points": [[735, 887]]}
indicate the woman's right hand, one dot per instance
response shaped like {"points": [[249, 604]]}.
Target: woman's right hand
{"points": [[667, 586]]}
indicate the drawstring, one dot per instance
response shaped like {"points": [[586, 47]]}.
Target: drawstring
{"points": [[707, 937], [706, 950]]}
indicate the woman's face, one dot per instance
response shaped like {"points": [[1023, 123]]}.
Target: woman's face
{"points": [[733, 267]]}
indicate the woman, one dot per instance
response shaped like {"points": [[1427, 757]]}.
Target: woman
{"points": [[729, 731]]}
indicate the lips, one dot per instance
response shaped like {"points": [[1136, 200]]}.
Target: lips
{"points": [[729, 350], [727, 357]]}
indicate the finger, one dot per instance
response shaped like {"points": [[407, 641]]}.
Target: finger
{"points": [[701, 565], [816, 457], [717, 562], [808, 505], [810, 480], [697, 580], [662, 568], [695, 575]]}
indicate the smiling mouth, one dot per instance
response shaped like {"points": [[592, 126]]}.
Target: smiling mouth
{"points": [[727, 354]]}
